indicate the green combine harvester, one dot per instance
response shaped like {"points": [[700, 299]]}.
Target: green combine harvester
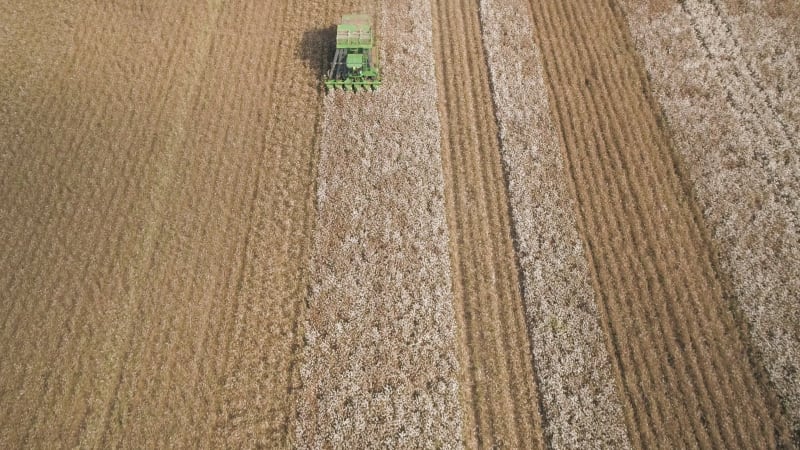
{"points": [[355, 64]]}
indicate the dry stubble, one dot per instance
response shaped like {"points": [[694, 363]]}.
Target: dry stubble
{"points": [[727, 83], [682, 364], [156, 205], [81, 190], [499, 387], [581, 407]]}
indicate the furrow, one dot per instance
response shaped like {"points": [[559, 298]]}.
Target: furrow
{"points": [[476, 182], [468, 353], [730, 105], [500, 387], [617, 282], [261, 322], [581, 408], [614, 86], [697, 373]]}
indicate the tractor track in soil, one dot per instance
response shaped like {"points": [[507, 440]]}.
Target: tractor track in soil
{"points": [[679, 357], [166, 243], [728, 99], [157, 187], [498, 383]]}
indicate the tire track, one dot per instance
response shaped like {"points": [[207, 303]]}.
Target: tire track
{"points": [[579, 401], [730, 117], [499, 387], [681, 362]]}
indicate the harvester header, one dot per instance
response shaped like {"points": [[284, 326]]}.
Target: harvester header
{"points": [[355, 63]]}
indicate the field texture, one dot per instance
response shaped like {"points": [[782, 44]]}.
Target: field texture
{"points": [[380, 365], [155, 222], [500, 395], [737, 61], [579, 404], [559, 224], [682, 362]]}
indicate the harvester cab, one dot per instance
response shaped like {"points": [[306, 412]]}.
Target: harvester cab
{"points": [[355, 63]]}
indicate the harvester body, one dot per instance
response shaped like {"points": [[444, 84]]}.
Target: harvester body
{"points": [[355, 63]]}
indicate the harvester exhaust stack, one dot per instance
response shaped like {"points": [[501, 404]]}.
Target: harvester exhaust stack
{"points": [[355, 64]]}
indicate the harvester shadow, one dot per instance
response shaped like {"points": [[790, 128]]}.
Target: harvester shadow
{"points": [[316, 49]]}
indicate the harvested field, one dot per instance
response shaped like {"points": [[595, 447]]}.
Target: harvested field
{"points": [[580, 406], [681, 361], [156, 225], [499, 388], [380, 364], [735, 113], [518, 241]]}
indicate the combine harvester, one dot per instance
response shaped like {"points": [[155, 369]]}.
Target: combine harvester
{"points": [[355, 64]]}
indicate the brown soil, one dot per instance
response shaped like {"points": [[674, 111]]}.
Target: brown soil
{"points": [[157, 190], [580, 404], [726, 83], [499, 391], [680, 360], [165, 282]]}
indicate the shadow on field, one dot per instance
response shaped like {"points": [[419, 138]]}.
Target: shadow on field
{"points": [[316, 49]]}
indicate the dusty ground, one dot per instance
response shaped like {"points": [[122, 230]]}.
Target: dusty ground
{"points": [[560, 224]]}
